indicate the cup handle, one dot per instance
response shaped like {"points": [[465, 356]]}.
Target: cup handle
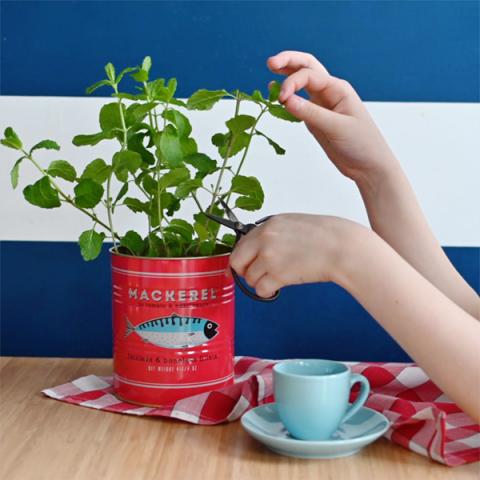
{"points": [[362, 397]]}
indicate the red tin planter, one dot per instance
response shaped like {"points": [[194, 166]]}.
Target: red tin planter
{"points": [[173, 327]]}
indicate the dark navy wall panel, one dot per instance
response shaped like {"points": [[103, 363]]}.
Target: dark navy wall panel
{"points": [[55, 304], [390, 50]]}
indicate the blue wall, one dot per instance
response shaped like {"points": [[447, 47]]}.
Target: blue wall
{"points": [[52, 303], [392, 50], [55, 304]]}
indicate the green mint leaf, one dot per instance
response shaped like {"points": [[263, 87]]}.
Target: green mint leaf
{"points": [[135, 144], [240, 123], [249, 203], [201, 231], [170, 148], [211, 226], [278, 149], [122, 192], [91, 243], [11, 139], [187, 187], [279, 111], [110, 71], [135, 205], [124, 72], [245, 185], [202, 163], [158, 90], [220, 139], [184, 128], [140, 76], [274, 91], [126, 161], [170, 203], [97, 170], [250, 191], [88, 193], [42, 194], [230, 144], [138, 111], [133, 242], [154, 246], [174, 243], [242, 95], [146, 130], [258, 97], [205, 99], [177, 102], [189, 146], [149, 184], [181, 228], [174, 177], [14, 173], [101, 83], [93, 139], [147, 64], [62, 169], [171, 87], [128, 96], [110, 118], [46, 144], [207, 248], [229, 239]]}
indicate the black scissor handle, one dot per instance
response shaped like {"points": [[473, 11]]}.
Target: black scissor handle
{"points": [[251, 294]]}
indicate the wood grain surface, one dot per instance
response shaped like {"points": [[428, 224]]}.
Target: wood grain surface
{"points": [[42, 438]]}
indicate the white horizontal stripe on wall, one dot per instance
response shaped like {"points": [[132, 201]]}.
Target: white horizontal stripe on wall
{"points": [[438, 145]]}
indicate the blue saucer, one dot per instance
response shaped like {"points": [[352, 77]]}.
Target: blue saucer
{"points": [[357, 432]]}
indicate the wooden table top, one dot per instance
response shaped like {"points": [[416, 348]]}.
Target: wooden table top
{"points": [[46, 439]]}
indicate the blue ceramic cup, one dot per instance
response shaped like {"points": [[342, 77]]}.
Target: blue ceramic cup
{"points": [[311, 396]]}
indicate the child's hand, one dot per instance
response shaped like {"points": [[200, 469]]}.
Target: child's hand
{"points": [[334, 114], [294, 248]]}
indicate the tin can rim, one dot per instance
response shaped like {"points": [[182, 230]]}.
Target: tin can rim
{"points": [[115, 253]]}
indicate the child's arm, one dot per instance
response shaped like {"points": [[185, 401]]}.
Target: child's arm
{"points": [[440, 336], [338, 119]]}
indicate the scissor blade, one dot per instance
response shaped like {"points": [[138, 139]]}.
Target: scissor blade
{"points": [[221, 220], [231, 216]]}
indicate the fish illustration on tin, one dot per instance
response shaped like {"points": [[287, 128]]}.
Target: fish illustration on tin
{"points": [[174, 331]]}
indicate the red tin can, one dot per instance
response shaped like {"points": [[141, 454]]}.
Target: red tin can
{"points": [[173, 327]]}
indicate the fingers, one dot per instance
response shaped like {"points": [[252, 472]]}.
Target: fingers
{"points": [[252, 264], [305, 71], [267, 286], [255, 271], [306, 78], [290, 61], [313, 115], [244, 253]]}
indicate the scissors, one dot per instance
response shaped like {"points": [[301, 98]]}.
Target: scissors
{"points": [[240, 229]]}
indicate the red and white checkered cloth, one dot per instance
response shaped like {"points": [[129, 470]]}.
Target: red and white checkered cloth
{"points": [[422, 418]]}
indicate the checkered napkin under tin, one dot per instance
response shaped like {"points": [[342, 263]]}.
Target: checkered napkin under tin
{"points": [[422, 418]]}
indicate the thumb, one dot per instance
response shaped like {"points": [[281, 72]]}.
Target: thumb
{"points": [[315, 116]]}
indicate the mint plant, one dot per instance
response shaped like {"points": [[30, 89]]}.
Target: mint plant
{"points": [[158, 167]]}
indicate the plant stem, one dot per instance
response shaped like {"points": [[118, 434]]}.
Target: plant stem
{"points": [[122, 119], [67, 198], [225, 159], [245, 152], [197, 202], [109, 181], [154, 125], [109, 211]]}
